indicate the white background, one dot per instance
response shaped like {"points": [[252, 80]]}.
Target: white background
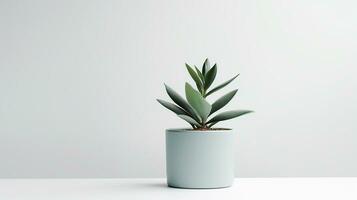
{"points": [[79, 79]]}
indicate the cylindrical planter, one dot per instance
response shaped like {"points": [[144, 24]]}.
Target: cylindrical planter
{"points": [[200, 159]]}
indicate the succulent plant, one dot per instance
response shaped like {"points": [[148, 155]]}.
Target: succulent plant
{"points": [[195, 109]]}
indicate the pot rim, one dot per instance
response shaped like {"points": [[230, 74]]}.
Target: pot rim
{"points": [[187, 130]]}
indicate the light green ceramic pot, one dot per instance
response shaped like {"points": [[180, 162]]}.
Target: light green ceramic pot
{"points": [[200, 159]]}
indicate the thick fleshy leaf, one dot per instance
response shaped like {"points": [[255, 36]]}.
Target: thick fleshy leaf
{"points": [[221, 102], [206, 66], [221, 86], [200, 75], [189, 120], [228, 115], [172, 107], [195, 77], [210, 76], [196, 100], [182, 103]]}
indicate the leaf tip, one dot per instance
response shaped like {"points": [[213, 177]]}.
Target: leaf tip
{"points": [[166, 86]]}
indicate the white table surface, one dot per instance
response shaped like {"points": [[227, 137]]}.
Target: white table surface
{"points": [[127, 189]]}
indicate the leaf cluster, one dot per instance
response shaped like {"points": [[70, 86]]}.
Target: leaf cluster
{"points": [[195, 109]]}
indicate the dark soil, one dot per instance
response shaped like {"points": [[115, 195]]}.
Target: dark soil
{"points": [[210, 129]]}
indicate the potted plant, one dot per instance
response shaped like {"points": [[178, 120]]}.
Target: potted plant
{"points": [[201, 156]]}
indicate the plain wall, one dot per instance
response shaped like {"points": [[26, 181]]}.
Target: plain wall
{"points": [[79, 79]]}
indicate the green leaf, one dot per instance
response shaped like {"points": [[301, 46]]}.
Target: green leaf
{"points": [[228, 115], [195, 77], [221, 86], [196, 100], [221, 102], [210, 76], [200, 75], [172, 107], [212, 124], [205, 67], [182, 103], [189, 120]]}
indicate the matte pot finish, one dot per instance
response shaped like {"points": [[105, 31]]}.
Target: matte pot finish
{"points": [[200, 159]]}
